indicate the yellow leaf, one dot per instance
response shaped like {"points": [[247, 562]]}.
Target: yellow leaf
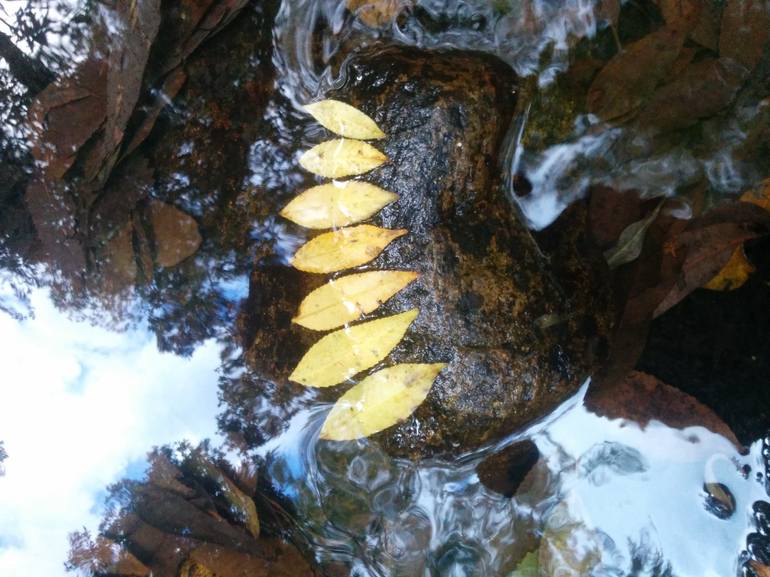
{"points": [[733, 274], [377, 13], [344, 248], [337, 204], [341, 157], [346, 352], [380, 401], [345, 299], [344, 120], [759, 196]]}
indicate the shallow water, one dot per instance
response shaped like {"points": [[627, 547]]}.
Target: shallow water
{"points": [[94, 379]]}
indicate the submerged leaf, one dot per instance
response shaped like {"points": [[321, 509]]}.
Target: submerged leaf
{"points": [[241, 505], [341, 157], [734, 274], [527, 567], [344, 248], [629, 245], [346, 352], [738, 269], [344, 120], [345, 299], [337, 204], [630, 78], [568, 547], [380, 401]]}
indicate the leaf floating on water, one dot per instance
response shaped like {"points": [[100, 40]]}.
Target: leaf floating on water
{"points": [[380, 401], [346, 352], [345, 299], [341, 157], [337, 204], [344, 120], [629, 245], [344, 248]]}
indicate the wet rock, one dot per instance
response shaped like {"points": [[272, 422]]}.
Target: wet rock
{"points": [[175, 233], [720, 501], [483, 282], [504, 472], [761, 511]]}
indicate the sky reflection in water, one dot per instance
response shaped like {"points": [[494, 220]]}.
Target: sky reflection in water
{"points": [[81, 407]]}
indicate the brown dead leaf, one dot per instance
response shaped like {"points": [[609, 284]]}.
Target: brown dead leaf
{"points": [[703, 89], [171, 87], [66, 115], [706, 31], [642, 398], [706, 245], [610, 212], [175, 233], [745, 31], [630, 78], [128, 54], [119, 269], [680, 13], [738, 269]]}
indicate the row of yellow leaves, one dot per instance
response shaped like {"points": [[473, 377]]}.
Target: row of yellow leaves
{"points": [[389, 395]]}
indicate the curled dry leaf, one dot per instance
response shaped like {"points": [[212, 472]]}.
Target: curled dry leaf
{"points": [[629, 245], [337, 204], [345, 299], [341, 157], [344, 248], [344, 120], [380, 401], [346, 352]]}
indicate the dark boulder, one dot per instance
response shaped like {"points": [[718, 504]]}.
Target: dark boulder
{"points": [[489, 305]]}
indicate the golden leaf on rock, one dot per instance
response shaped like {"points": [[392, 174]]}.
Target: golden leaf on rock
{"points": [[380, 401], [341, 157], [337, 204], [344, 120], [346, 352], [345, 299], [344, 248]]}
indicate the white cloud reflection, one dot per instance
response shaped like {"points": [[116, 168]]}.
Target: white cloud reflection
{"points": [[79, 407]]}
